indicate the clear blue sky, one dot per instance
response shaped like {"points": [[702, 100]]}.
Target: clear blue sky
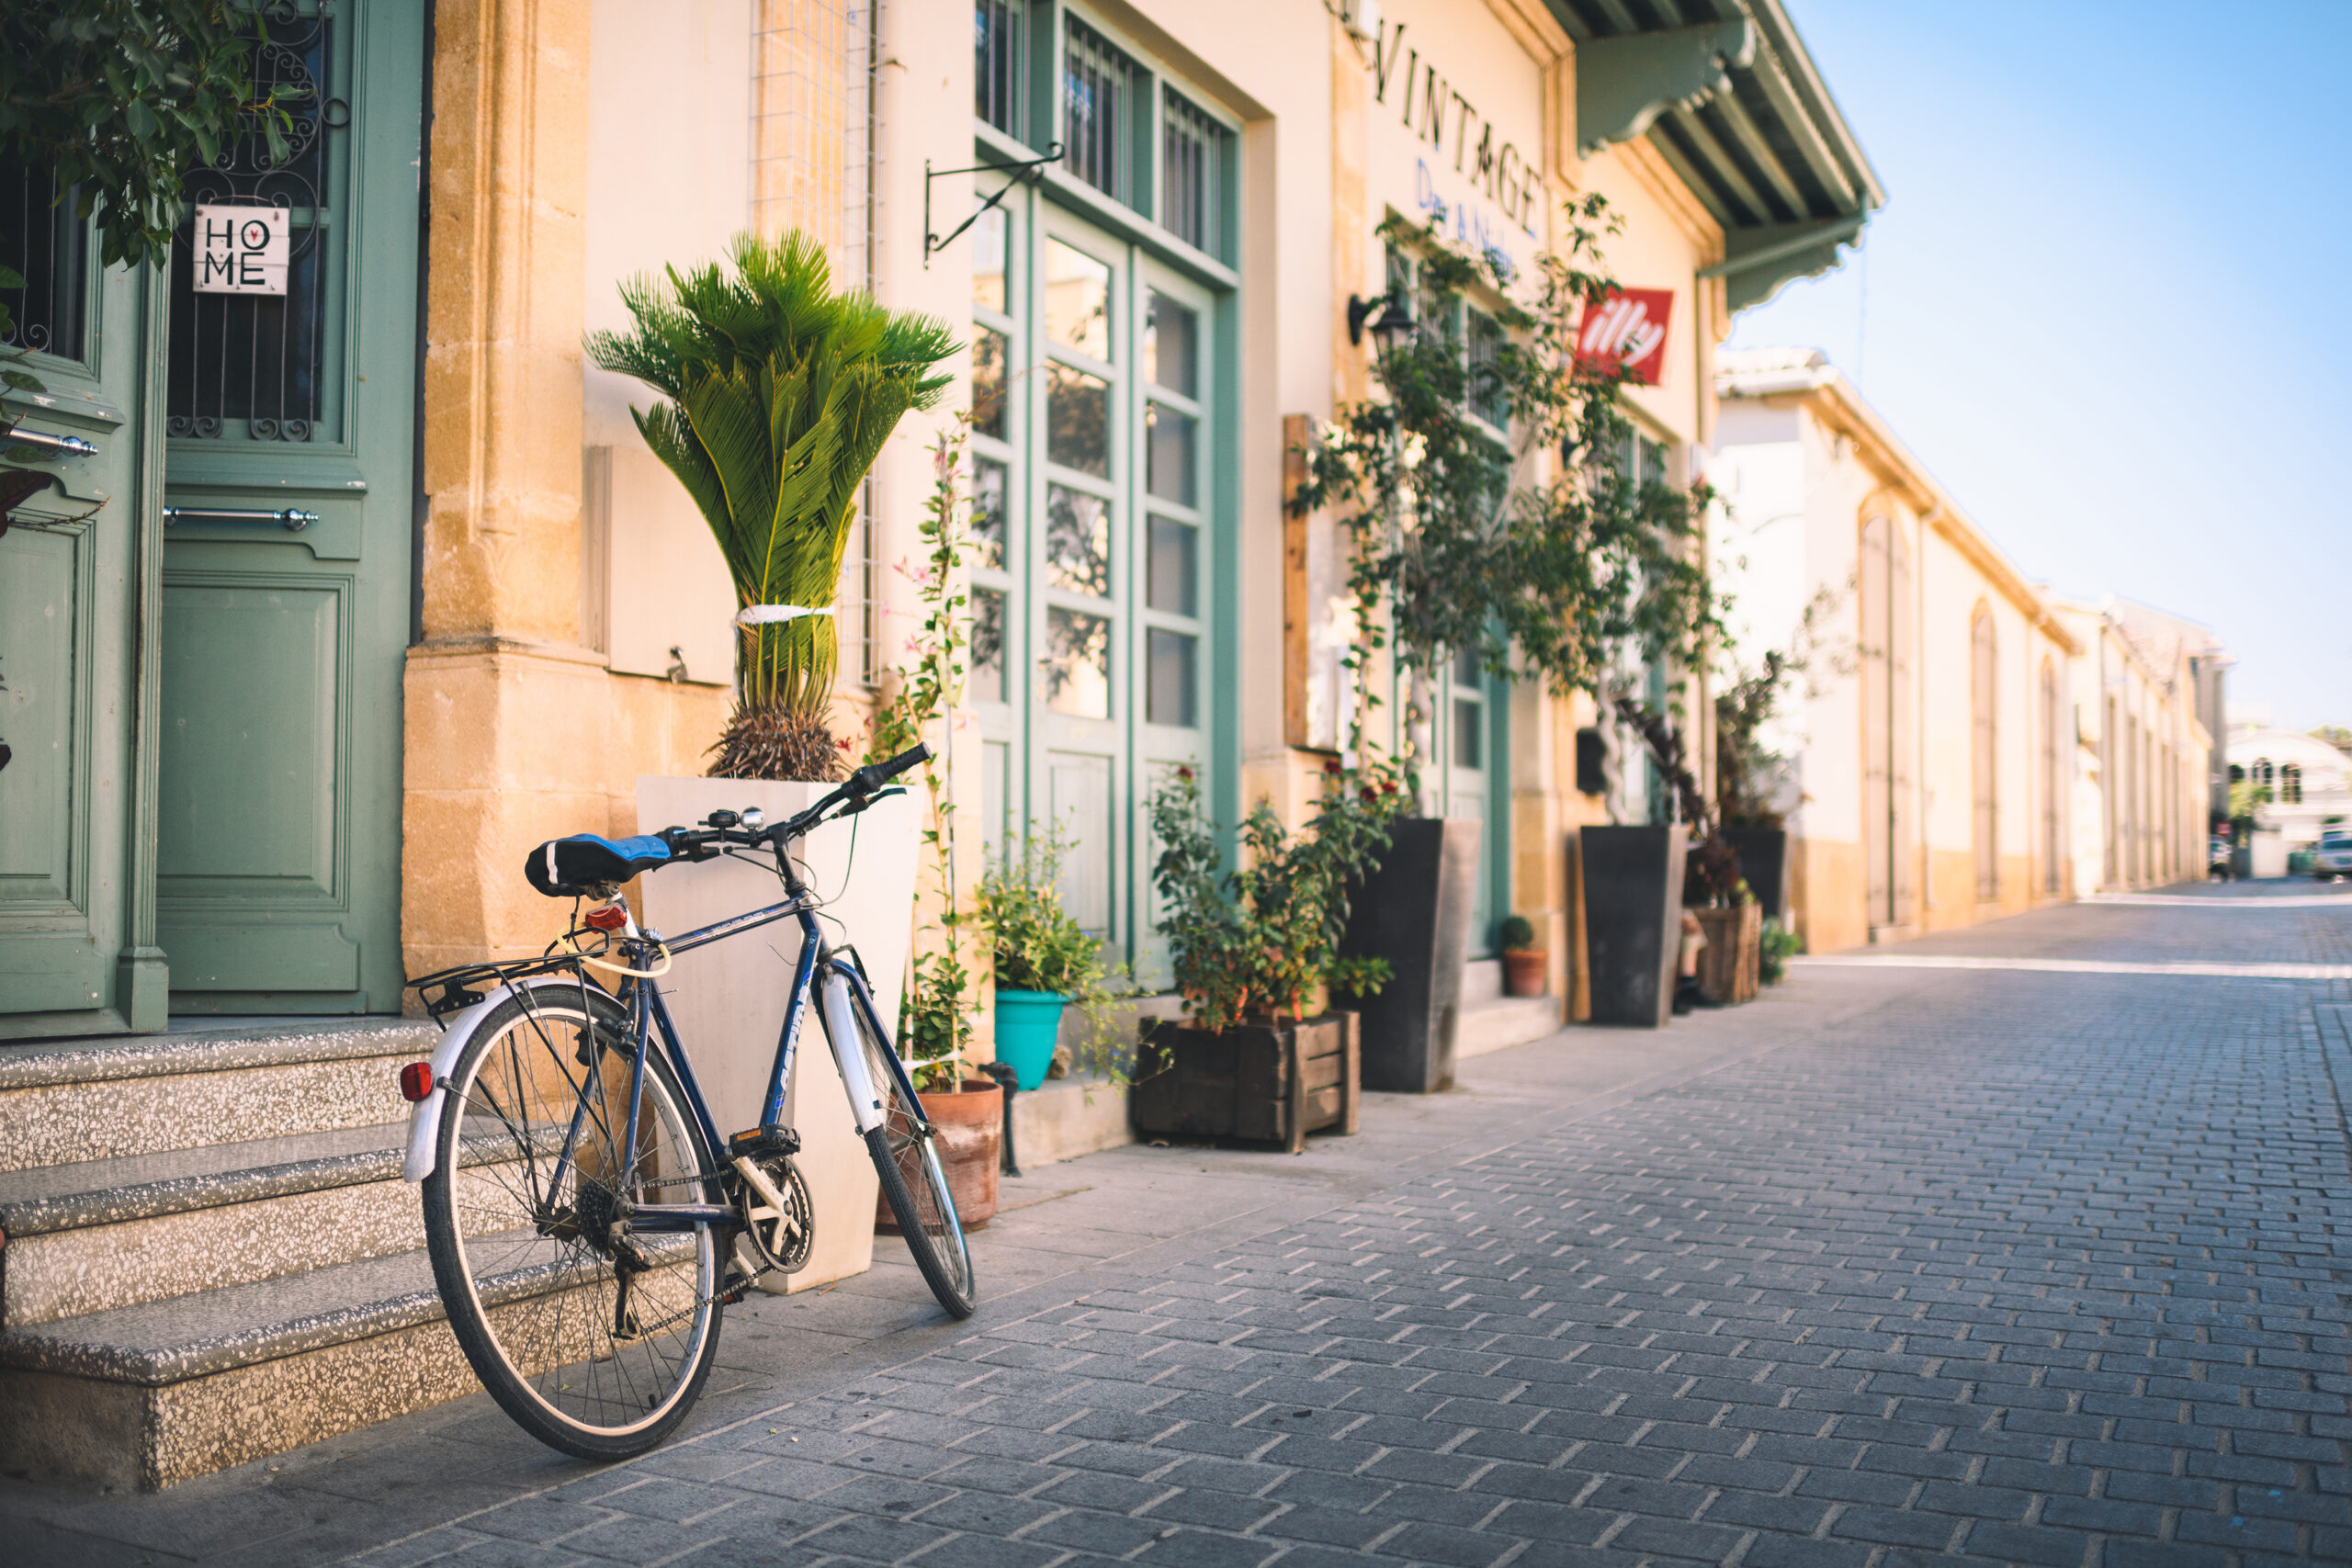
{"points": [[2106, 303]]}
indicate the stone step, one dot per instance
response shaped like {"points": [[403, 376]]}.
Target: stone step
{"points": [[1504, 1021], [1482, 982], [148, 1395], [97, 1235], [72, 1102]]}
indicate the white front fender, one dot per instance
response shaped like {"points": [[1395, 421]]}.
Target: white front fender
{"points": [[425, 1116]]}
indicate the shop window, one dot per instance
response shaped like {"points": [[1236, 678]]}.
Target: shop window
{"points": [[1098, 93], [1489, 400], [1191, 174], [997, 64]]}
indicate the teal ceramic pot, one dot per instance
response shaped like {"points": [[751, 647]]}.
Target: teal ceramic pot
{"points": [[1027, 1025]]}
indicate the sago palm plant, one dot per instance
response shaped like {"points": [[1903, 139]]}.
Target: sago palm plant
{"points": [[781, 393]]}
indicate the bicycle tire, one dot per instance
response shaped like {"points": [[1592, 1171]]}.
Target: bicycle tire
{"points": [[915, 1186], [538, 1309]]}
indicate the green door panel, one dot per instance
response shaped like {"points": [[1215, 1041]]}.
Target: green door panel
{"points": [[77, 953], [250, 742], [279, 882]]}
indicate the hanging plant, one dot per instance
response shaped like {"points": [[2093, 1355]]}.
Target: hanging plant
{"points": [[781, 393]]}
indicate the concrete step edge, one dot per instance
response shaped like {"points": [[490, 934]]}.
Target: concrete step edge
{"points": [[113, 1191], [66, 1063]]}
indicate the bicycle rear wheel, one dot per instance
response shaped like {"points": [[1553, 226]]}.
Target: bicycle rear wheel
{"points": [[913, 1182], [595, 1338]]}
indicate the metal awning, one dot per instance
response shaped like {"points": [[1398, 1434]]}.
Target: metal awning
{"points": [[1727, 93]]}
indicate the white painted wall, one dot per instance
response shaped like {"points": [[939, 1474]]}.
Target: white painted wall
{"points": [[668, 182]]}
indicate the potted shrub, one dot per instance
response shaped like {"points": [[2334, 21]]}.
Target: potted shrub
{"points": [[1525, 965], [1045, 960], [778, 392], [1253, 949], [1751, 771], [1495, 518]]}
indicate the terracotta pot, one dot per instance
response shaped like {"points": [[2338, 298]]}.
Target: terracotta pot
{"points": [[971, 1125], [1524, 971]]}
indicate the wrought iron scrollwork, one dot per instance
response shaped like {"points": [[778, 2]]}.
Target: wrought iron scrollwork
{"points": [[250, 365]]}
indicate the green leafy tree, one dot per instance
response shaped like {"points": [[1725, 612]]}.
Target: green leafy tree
{"points": [[1461, 543], [781, 393], [122, 98]]}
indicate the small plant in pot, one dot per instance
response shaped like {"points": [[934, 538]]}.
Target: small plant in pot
{"points": [[1253, 949], [1525, 965], [1045, 962]]}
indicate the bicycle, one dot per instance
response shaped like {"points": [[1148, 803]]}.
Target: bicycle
{"points": [[586, 1223]]}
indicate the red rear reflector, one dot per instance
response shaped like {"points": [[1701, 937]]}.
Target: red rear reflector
{"points": [[611, 918], [416, 1081]]}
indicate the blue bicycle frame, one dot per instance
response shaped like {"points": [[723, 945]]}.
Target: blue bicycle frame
{"points": [[648, 1014]]}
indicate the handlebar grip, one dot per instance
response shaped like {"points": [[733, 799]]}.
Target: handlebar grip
{"points": [[874, 775]]}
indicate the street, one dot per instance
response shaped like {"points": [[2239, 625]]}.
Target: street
{"points": [[1903, 1261]]}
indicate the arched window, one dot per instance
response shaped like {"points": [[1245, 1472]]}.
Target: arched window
{"points": [[1983, 691], [2290, 784], [2237, 774], [2263, 773]]}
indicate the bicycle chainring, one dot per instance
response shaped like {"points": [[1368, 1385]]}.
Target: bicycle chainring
{"points": [[782, 1240]]}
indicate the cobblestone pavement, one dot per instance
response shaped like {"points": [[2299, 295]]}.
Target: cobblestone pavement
{"points": [[1897, 1264]]}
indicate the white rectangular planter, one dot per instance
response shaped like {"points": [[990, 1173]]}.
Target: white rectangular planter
{"points": [[728, 1000]]}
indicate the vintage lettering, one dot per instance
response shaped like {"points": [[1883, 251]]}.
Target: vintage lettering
{"points": [[1383, 59]]}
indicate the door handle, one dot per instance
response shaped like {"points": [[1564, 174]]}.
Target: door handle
{"points": [[42, 441], [294, 519]]}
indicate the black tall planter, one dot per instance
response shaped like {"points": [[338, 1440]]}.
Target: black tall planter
{"points": [[1415, 912], [1764, 865], [1632, 921]]}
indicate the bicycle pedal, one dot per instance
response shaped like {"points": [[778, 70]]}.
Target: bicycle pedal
{"points": [[738, 1286], [763, 1143]]}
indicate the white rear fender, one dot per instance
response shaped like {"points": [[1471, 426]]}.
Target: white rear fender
{"points": [[849, 1054], [425, 1116]]}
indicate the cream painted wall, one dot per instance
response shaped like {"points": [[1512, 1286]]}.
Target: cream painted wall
{"points": [[666, 188]]}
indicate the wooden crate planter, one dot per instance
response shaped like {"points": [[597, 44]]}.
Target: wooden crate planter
{"points": [[1728, 964], [1259, 1082]]}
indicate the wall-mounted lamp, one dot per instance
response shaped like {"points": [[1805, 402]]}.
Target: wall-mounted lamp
{"points": [[1389, 317], [1360, 17]]}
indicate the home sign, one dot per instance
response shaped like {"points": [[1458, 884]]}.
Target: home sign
{"points": [[241, 250]]}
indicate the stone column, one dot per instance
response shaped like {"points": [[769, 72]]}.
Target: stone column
{"points": [[506, 712]]}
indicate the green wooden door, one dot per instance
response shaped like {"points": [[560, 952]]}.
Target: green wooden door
{"points": [[77, 950], [277, 882]]}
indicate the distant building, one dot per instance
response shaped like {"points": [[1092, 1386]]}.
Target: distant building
{"points": [[2167, 639], [2141, 801], [2310, 783]]}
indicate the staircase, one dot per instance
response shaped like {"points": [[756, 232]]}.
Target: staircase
{"points": [[172, 1302], [1490, 1021]]}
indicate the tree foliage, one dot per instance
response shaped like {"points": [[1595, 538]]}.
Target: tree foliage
{"points": [[782, 391], [1461, 537], [122, 98]]}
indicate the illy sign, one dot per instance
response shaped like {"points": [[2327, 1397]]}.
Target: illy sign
{"points": [[241, 250], [1626, 332]]}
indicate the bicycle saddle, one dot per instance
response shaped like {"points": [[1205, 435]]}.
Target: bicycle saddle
{"points": [[585, 866]]}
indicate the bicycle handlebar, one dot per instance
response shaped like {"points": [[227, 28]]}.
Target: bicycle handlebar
{"points": [[861, 790]]}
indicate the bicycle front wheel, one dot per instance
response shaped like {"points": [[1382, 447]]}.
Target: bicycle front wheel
{"points": [[595, 1336], [914, 1183]]}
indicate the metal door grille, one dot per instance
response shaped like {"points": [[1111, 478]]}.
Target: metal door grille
{"points": [[254, 366], [1099, 86], [42, 242]]}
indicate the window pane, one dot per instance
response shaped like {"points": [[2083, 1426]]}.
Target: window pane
{"points": [[1170, 461], [987, 683], [1078, 420], [1098, 86], [987, 261], [1174, 568], [997, 65], [1078, 299], [1488, 399], [1172, 692], [987, 382], [1078, 664], [990, 492], [41, 242], [1171, 347], [1078, 541], [1466, 672], [1469, 733], [1192, 177]]}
